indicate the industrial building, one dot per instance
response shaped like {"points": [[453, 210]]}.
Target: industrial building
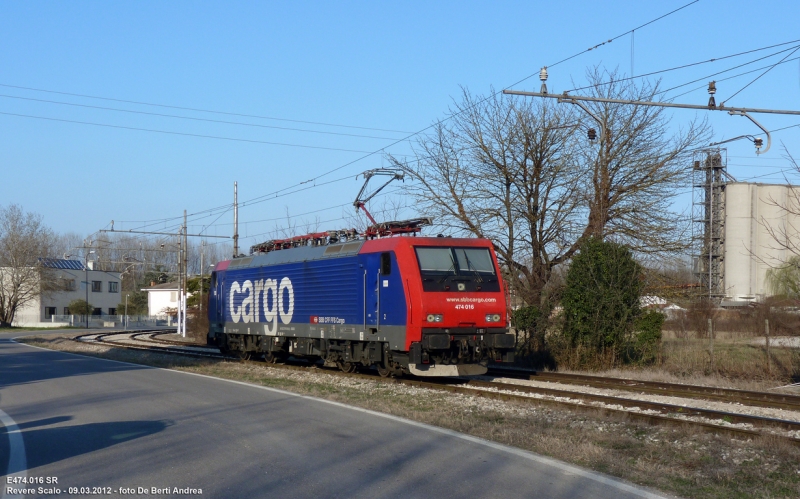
{"points": [[759, 225], [741, 229]]}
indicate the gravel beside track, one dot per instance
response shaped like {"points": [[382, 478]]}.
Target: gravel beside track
{"points": [[741, 397]]}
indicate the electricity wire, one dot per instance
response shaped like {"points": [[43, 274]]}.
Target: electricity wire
{"points": [[691, 65], [612, 39], [721, 79], [419, 132], [192, 118], [759, 76], [197, 109], [185, 134]]}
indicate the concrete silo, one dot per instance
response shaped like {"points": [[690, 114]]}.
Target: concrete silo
{"points": [[760, 222]]}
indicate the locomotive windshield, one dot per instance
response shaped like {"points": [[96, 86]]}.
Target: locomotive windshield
{"points": [[457, 269]]}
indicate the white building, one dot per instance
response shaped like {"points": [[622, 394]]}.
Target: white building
{"points": [[749, 248], [162, 298], [51, 309]]}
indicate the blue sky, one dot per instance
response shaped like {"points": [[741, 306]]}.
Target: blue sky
{"points": [[388, 68]]}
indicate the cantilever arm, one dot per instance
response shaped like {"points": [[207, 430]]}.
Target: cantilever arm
{"points": [[567, 98], [769, 137]]}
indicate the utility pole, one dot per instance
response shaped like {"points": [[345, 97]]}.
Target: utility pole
{"points": [[202, 270], [180, 277], [185, 273], [235, 220]]}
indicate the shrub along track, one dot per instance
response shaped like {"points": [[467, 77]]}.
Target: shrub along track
{"points": [[638, 410]]}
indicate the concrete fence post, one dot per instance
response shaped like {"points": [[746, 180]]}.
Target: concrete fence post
{"points": [[766, 341], [711, 342]]}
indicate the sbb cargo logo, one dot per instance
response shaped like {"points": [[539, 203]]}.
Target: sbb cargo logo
{"points": [[262, 298]]}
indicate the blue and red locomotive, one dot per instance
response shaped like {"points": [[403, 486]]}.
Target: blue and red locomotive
{"points": [[429, 306]]}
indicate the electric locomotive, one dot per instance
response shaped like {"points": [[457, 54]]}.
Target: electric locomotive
{"points": [[429, 306]]}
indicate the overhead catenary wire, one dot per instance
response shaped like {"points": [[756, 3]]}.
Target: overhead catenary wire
{"points": [[612, 39], [185, 134], [759, 76], [704, 86], [406, 138], [419, 132], [192, 118], [684, 66], [184, 108]]}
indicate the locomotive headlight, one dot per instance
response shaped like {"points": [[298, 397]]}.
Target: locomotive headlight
{"points": [[435, 317], [492, 317]]}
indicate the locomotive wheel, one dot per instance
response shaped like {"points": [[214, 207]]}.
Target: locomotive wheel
{"points": [[242, 355], [273, 358], [384, 371], [347, 367]]}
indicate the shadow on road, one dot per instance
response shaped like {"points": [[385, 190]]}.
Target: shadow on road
{"points": [[49, 445], [22, 366]]}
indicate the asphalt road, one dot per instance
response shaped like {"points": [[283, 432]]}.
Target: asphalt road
{"points": [[96, 423]]}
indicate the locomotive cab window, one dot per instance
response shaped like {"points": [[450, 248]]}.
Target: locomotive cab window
{"points": [[386, 263], [457, 269]]}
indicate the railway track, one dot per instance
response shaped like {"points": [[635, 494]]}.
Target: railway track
{"points": [[728, 395], [639, 410]]}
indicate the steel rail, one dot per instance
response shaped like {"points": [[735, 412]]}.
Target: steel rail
{"points": [[730, 395], [729, 417]]}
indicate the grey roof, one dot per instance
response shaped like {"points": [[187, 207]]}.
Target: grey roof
{"points": [[299, 254], [165, 286], [60, 263]]}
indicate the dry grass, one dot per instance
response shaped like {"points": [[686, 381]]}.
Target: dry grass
{"points": [[676, 460], [732, 358], [736, 364]]}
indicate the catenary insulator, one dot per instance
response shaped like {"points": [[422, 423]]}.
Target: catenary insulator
{"points": [[592, 134], [758, 141], [712, 89], [543, 77]]}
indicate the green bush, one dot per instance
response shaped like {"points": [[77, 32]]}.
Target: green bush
{"points": [[647, 339], [79, 307], [601, 305]]}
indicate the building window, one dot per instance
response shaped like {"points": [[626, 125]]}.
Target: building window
{"points": [[113, 287], [97, 286], [173, 296], [69, 284], [66, 311], [112, 311], [97, 311], [49, 312]]}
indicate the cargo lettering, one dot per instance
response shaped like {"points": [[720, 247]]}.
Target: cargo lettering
{"points": [[263, 297]]}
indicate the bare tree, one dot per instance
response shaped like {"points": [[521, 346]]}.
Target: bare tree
{"points": [[137, 257], [637, 168], [785, 233], [521, 173], [783, 274], [503, 168], [24, 241]]}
